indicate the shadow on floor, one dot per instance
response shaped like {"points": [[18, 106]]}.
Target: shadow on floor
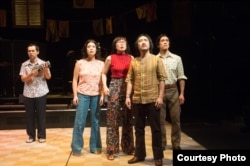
{"points": [[219, 135]]}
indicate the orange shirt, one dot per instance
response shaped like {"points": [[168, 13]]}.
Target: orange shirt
{"points": [[145, 75]]}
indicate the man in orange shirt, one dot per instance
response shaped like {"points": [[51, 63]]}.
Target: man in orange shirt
{"points": [[146, 78]]}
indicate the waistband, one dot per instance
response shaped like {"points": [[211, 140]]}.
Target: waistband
{"points": [[168, 86]]}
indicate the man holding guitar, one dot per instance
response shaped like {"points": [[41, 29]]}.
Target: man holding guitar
{"points": [[34, 73]]}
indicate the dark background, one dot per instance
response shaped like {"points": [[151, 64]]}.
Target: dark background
{"points": [[212, 37]]}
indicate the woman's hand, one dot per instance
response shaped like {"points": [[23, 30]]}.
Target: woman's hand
{"points": [[101, 102], [106, 91], [75, 101]]}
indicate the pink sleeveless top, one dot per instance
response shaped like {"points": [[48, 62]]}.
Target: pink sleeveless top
{"points": [[90, 77]]}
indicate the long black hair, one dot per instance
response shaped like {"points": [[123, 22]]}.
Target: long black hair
{"points": [[151, 45]]}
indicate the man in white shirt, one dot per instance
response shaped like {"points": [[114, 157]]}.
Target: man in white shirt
{"points": [[174, 91]]}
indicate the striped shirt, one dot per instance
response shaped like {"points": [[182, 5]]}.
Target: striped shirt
{"points": [[145, 75]]}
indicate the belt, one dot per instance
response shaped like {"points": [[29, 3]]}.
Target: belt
{"points": [[168, 86]]}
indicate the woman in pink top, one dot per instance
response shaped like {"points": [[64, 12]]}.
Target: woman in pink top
{"points": [[118, 63], [87, 91]]}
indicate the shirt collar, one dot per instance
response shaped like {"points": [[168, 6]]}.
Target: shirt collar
{"points": [[169, 55]]}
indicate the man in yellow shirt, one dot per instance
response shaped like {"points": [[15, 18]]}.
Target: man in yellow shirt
{"points": [[146, 78]]}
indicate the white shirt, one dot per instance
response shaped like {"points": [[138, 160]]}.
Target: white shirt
{"points": [[38, 87], [174, 68]]}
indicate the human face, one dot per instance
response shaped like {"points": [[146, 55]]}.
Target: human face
{"points": [[91, 50], [32, 53], [164, 43], [143, 43], [121, 45]]}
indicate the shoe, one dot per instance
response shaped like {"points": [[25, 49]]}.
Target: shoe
{"points": [[110, 157], [176, 148], [30, 140], [158, 162], [97, 152], [41, 140], [135, 160], [77, 154]]}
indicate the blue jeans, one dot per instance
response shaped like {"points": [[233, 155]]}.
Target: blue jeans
{"points": [[84, 104]]}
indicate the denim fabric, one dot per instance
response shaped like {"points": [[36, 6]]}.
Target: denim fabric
{"points": [[84, 104]]}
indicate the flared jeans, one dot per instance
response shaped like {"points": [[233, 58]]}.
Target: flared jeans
{"points": [[87, 104]]}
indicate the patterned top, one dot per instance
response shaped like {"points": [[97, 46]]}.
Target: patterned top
{"points": [[174, 68], [38, 87], [119, 65], [90, 77], [145, 75]]}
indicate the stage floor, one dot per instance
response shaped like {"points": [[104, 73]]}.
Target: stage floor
{"points": [[56, 151]]}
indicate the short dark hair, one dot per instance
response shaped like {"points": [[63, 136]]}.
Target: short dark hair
{"points": [[157, 41], [116, 39], [33, 44]]}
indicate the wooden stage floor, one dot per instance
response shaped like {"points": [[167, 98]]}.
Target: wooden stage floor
{"points": [[56, 151]]}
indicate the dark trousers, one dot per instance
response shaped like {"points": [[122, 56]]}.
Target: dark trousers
{"points": [[144, 112], [36, 116]]}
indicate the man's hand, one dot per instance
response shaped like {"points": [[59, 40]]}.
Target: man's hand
{"points": [[128, 102], [158, 102]]}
